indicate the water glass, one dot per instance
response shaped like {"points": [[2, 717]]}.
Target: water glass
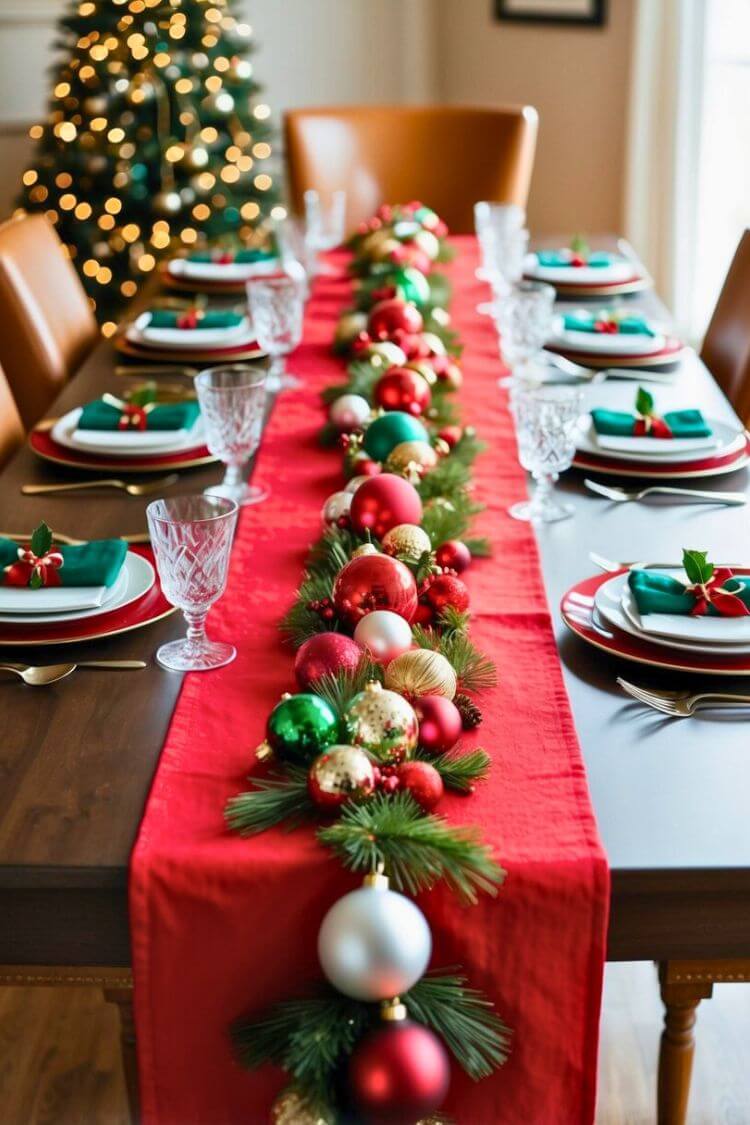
{"points": [[277, 306], [325, 220], [546, 421], [524, 318], [233, 400], [495, 224], [192, 539], [294, 253]]}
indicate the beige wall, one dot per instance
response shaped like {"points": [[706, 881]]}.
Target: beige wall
{"points": [[578, 80]]}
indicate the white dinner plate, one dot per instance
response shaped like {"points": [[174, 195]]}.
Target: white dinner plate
{"points": [[217, 271], [727, 439], [620, 270], [134, 580], [124, 443], [616, 609], [608, 343], [190, 339]]}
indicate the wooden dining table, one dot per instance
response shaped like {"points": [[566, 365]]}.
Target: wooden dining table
{"points": [[670, 796]]}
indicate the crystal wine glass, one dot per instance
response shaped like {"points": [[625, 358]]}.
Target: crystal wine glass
{"points": [[276, 307], [494, 224], [325, 223], [546, 423], [294, 252], [524, 319], [232, 401], [192, 540]]}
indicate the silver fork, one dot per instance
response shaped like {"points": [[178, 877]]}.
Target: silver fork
{"points": [[599, 374], [681, 704], [612, 565], [618, 495]]}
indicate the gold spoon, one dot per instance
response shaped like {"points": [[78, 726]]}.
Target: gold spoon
{"points": [[41, 675], [69, 541], [145, 489]]}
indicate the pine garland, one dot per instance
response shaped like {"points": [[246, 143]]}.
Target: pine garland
{"points": [[280, 799]]}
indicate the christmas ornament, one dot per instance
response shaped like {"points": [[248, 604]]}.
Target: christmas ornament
{"points": [[423, 782], [403, 389], [433, 343], [342, 773], [374, 582], [391, 354], [384, 635], [440, 723], [372, 242], [449, 374], [349, 412], [336, 509], [406, 540], [444, 591], [353, 484], [363, 466], [290, 1108], [365, 549], [393, 315], [385, 248], [389, 430], [421, 672], [425, 369], [398, 1072], [451, 435], [382, 502], [325, 654], [349, 327], [381, 722], [412, 459], [428, 244], [470, 714], [454, 555], [299, 728], [411, 284], [373, 943]]}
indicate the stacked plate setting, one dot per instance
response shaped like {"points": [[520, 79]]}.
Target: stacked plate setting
{"points": [[622, 275], [616, 349], [216, 277], [175, 345]]}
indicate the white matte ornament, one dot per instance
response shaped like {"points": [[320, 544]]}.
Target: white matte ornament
{"points": [[374, 944], [384, 634], [391, 353], [336, 507], [355, 482], [349, 412]]}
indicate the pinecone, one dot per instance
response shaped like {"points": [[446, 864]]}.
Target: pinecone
{"points": [[470, 714]]}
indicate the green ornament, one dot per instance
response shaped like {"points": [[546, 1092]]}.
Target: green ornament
{"points": [[299, 728], [427, 217], [388, 431], [411, 285]]}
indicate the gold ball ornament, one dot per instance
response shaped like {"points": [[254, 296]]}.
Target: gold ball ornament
{"points": [[384, 249], [167, 202], [421, 672], [406, 540], [349, 327], [424, 369], [340, 774], [290, 1108], [365, 549], [383, 723], [371, 242], [411, 459]]}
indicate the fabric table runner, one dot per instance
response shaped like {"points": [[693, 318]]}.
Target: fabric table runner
{"points": [[223, 927]]}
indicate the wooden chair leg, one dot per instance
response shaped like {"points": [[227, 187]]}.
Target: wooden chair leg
{"points": [[123, 999], [681, 1000]]}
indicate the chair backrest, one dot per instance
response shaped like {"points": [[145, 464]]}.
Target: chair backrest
{"points": [[47, 326], [447, 156], [11, 427], [726, 345]]}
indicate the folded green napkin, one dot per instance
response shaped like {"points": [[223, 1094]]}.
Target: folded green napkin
{"points": [[173, 318], [97, 563], [241, 257], [597, 259], [682, 423], [589, 322], [101, 415], [659, 593]]}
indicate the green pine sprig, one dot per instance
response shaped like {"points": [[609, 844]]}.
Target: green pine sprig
{"points": [[339, 688], [464, 1018], [417, 850], [475, 671], [274, 800], [460, 771]]}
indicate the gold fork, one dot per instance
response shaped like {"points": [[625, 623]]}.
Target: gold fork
{"points": [[681, 704], [70, 541], [145, 489]]}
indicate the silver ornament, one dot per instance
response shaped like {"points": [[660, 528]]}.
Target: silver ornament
{"points": [[349, 412], [336, 507]]}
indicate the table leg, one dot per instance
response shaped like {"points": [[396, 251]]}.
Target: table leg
{"points": [[681, 999], [123, 999]]}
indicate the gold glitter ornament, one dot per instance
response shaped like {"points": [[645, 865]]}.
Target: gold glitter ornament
{"points": [[411, 459], [382, 723], [290, 1108], [421, 672], [406, 540]]}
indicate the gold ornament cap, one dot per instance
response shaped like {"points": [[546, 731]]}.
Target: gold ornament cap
{"points": [[264, 752], [393, 1011], [377, 879]]}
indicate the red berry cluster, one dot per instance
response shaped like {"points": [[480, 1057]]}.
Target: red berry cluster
{"points": [[323, 607]]}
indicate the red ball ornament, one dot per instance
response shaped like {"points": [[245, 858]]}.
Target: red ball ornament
{"points": [[422, 781], [382, 503], [440, 723], [445, 591], [364, 467], [393, 315], [451, 435], [325, 654], [454, 555], [398, 1073], [374, 582], [403, 389]]}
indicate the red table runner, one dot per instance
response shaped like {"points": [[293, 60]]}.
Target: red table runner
{"points": [[223, 926]]}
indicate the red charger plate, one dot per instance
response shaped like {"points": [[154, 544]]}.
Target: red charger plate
{"points": [[670, 353], [44, 445], [706, 467], [152, 606], [178, 356]]}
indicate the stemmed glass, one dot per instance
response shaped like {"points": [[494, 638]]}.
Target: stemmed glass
{"points": [[192, 540], [276, 307], [524, 319], [546, 423], [325, 224], [502, 240], [294, 252], [232, 401]]}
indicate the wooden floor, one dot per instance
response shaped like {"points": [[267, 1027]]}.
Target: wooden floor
{"points": [[59, 1062]]}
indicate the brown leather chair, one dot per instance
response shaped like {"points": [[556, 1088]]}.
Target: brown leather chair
{"points": [[726, 346], [447, 156], [11, 426], [47, 327]]}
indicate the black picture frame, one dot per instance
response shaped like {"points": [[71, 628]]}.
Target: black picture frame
{"points": [[530, 11]]}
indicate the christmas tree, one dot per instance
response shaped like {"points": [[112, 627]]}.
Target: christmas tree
{"points": [[154, 141]]}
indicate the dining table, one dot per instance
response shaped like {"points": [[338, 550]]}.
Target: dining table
{"points": [[670, 796]]}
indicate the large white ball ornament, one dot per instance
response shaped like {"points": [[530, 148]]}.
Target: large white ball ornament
{"points": [[349, 412], [336, 507], [385, 635], [374, 944]]}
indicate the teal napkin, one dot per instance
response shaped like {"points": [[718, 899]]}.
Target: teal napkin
{"points": [[241, 257], [97, 563], [659, 593], [682, 423], [101, 415], [171, 318], [598, 259], [587, 322]]}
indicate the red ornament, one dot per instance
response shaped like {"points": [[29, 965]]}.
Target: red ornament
{"points": [[403, 389], [364, 467], [393, 315], [374, 582], [398, 1073], [440, 723], [382, 503], [451, 435], [323, 655], [445, 591], [454, 555], [423, 782]]}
